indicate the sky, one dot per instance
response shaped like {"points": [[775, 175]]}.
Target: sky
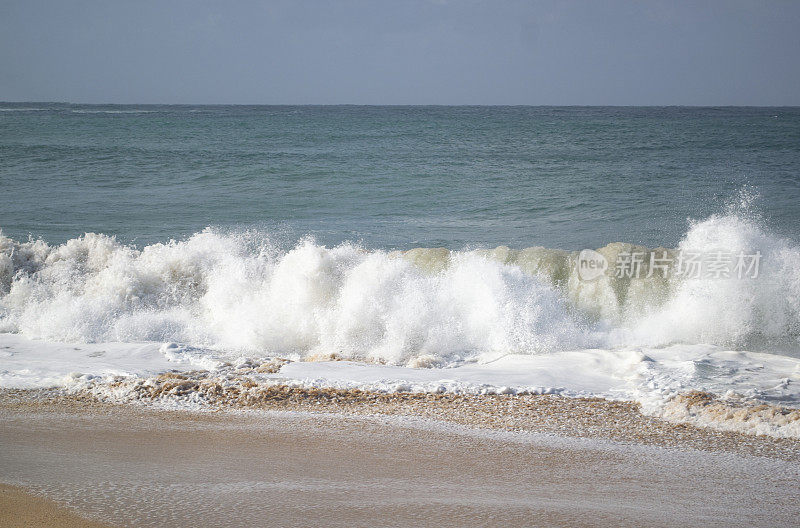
{"points": [[563, 52]]}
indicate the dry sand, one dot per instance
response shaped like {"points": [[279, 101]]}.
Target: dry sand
{"points": [[134, 466]]}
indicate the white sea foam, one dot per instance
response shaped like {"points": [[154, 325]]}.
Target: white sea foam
{"points": [[23, 109], [238, 293], [226, 295], [218, 291]]}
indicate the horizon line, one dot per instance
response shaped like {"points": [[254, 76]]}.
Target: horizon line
{"points": [[454, 105]]}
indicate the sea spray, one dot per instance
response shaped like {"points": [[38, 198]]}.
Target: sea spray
{"points": [[238, 292]]}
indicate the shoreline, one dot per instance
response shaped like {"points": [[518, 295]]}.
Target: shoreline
{"points": [[569, 417], [297, 465]]}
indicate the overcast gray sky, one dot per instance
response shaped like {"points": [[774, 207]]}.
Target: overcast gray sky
{"points": [[402, 52]]}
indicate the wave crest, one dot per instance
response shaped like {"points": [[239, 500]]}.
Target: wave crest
{"points": [[238, 292]]}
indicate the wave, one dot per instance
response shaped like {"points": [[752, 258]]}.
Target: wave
{"points": [[24, 109], [422, 307]]}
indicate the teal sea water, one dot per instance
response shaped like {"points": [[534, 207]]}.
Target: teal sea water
{"points": [[438, 237], [393, 177]]}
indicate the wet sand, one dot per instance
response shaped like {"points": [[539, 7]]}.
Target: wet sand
{"points": [[19, 508], [132, 466], [541, 413]]}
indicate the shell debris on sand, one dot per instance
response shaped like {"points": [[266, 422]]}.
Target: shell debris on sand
{"points": [[241, 388]]}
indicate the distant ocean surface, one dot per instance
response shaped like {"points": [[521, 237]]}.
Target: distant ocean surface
{"points": [[437, 247], [392, 177]]}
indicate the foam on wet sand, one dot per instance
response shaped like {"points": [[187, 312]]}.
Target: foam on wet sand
{"points": [[135, 465]]}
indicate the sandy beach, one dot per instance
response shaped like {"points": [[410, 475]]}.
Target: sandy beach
{"points": [[131, 465], [20, 508]]}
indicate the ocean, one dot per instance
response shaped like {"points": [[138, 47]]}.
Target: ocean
{"points": [[393, 177], [430, 248]]}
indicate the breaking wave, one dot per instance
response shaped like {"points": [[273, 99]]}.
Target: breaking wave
{"points": [[426, 306]]}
